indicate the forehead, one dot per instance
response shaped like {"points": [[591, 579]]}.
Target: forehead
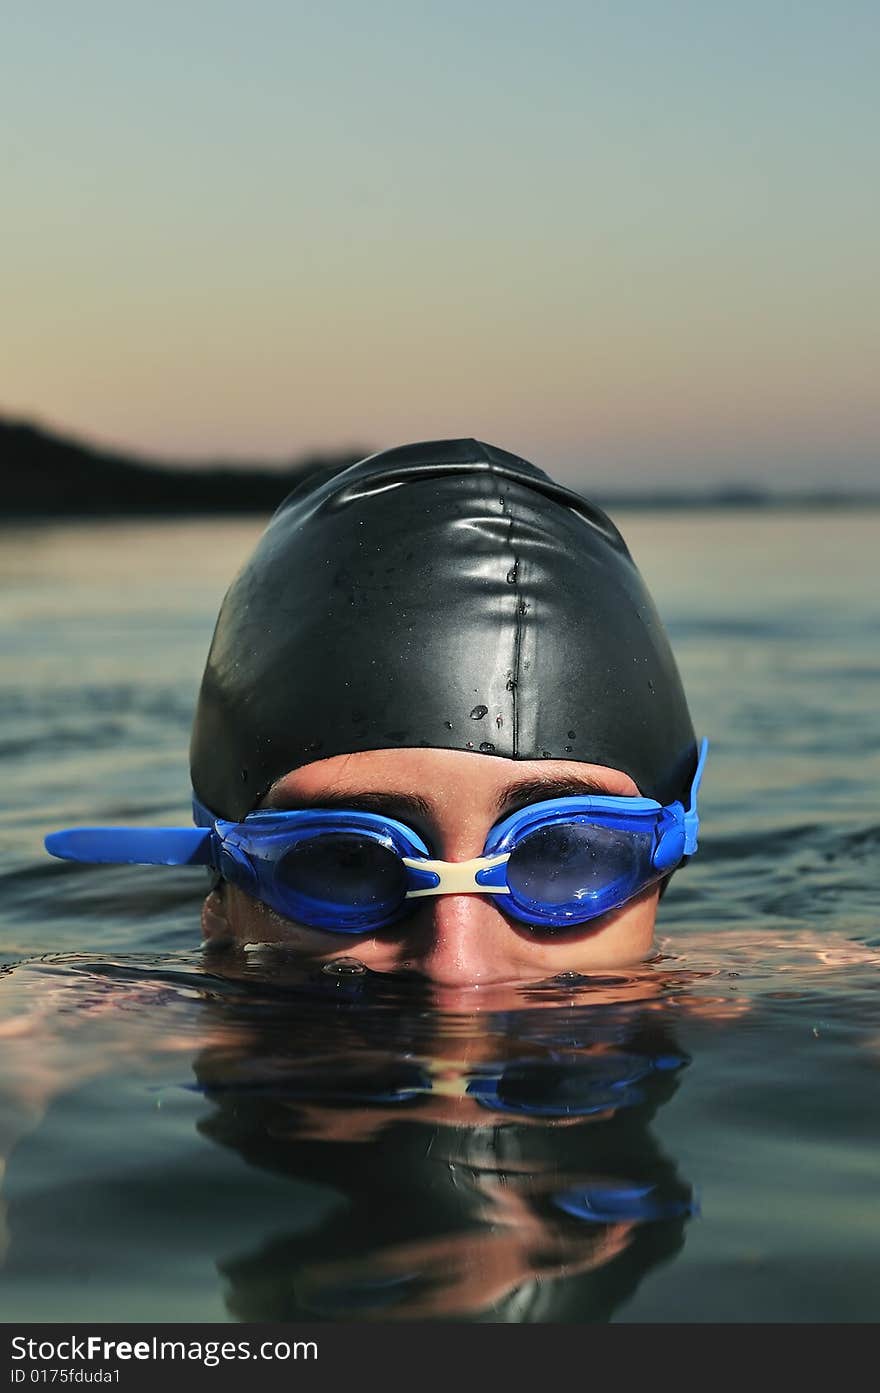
{"points": [[444, 778]]}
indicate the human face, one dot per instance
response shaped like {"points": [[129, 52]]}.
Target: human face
{"points": [[452, 798]]}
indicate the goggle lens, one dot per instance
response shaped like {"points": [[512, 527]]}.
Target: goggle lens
{"points": [[347, 870], [571, 863]]}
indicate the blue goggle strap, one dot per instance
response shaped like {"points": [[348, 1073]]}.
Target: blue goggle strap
{"points": [[616, 1203], [691, 818], [146, 846]]}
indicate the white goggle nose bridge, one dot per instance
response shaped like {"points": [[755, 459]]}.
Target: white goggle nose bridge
{"points": [[458, 877]]}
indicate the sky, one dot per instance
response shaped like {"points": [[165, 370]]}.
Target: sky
{"points": [[635, 242]]}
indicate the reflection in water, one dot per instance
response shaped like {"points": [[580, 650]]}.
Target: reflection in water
{"points": [[340, 1148], [495, 1166]]}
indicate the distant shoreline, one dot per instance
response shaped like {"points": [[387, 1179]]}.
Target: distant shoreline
{"points": [[47, 477], [612, 505]]}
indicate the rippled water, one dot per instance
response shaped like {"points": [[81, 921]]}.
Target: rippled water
{"points": [[243, 1137]]}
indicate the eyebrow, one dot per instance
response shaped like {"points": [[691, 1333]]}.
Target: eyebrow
{"points": [[509, 800]]}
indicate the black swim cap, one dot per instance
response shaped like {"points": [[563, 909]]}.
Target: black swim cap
{"points": [[447, 595]]}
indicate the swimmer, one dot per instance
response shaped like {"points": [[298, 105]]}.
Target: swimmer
{"points": [[441, 730]]}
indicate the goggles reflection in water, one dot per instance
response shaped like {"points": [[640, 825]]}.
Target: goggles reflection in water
{"points": [[555, 1088]]}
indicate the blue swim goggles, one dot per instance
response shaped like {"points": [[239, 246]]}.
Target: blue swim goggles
{"points": [[552, 865]]}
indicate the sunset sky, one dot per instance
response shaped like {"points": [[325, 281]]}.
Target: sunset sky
{"points": [[635, 242]]}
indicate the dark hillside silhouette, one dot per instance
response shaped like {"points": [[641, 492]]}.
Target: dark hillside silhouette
{"points": [[42, 474]]}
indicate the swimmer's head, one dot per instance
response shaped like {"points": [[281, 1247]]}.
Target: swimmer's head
{"points": [[443, 634], [440, 727], [445, 596]]}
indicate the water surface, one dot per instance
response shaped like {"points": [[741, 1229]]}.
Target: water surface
{"points": [[244, 1137]]}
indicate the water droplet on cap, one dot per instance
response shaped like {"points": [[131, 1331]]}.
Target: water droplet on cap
{"points": [[478, 713]]}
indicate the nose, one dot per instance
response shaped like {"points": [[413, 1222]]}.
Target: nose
{"points": [[460, 941]]}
